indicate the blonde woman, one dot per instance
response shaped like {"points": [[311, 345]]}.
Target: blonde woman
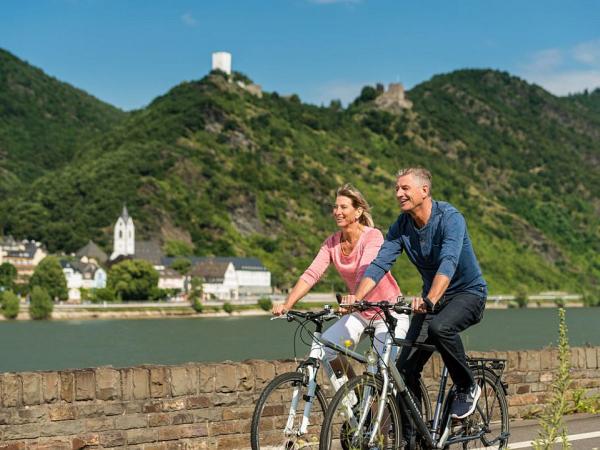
{"points": [[350, 250]]}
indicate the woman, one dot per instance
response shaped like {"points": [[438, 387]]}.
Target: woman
{"points": [[351, 250]]}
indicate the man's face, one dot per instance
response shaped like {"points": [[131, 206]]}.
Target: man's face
{"points": [[410, 192]]}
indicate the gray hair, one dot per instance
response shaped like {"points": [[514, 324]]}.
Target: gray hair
{"points": [[422, 174]]}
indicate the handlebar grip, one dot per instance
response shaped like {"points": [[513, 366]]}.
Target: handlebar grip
{"points": [[402, 309]]}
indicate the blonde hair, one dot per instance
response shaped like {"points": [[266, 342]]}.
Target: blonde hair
{"points": [[358, 201], [422, 174]]}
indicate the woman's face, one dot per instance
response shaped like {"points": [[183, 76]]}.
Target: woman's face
{"points": [[343, 212]]}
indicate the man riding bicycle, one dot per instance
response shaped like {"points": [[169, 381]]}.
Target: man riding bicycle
{"points": [[434, 236]]}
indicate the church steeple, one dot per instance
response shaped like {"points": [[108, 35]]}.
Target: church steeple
{"points": [[125, 213], [124, 235]]}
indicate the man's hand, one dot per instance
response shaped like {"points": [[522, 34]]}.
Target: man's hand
{"points": [[346, 300], [419, 306], [279, 309]]}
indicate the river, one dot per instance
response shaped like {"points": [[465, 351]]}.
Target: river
{"points": [[53, 345]]}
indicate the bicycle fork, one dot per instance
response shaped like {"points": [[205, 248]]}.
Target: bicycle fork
{"points": [[384, 363]]}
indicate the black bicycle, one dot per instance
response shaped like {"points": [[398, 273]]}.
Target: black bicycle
{"points": [[367, 412]]}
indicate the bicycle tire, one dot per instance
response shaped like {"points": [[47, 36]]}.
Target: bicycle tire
{"points": [[359, 398], [490, 415], [271, 415]]}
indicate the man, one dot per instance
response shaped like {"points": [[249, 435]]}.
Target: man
{"points": [[433, 235]]}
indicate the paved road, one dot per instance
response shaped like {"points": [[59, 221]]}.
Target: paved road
{"points": [[583, 431]]}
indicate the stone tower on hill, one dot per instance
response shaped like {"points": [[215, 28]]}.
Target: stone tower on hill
{"points": [[393, 99]]}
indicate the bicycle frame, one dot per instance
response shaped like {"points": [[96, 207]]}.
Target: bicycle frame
{"points": [[311, 367]]}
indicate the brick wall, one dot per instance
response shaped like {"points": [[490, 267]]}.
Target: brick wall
{"points": [[201, 405]]}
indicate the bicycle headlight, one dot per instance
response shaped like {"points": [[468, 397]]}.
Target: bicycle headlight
{"points": [[371, 357]]}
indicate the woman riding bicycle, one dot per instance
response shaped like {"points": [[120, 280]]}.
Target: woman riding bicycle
{"points": [[351, 250]]}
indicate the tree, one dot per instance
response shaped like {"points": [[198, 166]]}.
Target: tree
{"points": [[49, 276], [367, 94], [132, 279], [40, 306], [8, 275], [181, 265], [196, 292], [10, 304], [178, 248]]}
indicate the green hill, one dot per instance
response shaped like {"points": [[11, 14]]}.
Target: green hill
{"points": [[44, 123], [220, 170]]}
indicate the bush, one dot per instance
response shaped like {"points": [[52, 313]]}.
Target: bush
{"points": [[228, 307], [157, 294], [103, 295], [50, 277], [265, 304], [10, 305], [133, 279], [40, 306], [560, 302], [197, 304], [8, 275], [521, 299]]}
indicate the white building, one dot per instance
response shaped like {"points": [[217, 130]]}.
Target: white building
{"points": [[222, 61], [170, 279], [228, 278], [125, 246], [219, 279], [81, 275], [124, 236]]}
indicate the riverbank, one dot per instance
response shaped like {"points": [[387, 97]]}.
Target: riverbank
{"points": [[123, 311]]}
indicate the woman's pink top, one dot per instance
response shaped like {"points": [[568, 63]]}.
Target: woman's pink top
{"points": [[352, 267]]}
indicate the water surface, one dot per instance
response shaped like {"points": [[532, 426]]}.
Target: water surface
{"points": [[52, 345]]}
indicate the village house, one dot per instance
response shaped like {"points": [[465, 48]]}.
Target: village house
{"points": [[83, 274], [219, 280], [229, 278], [225, 278], [24, 255]]}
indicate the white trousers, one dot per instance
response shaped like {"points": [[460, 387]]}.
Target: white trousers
{"points": [[350, 327]]}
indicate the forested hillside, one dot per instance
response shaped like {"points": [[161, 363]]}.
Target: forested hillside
{"points": [[44, 123], [212, 169]]}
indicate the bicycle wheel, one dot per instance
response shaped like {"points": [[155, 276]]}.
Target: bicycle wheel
{"points": [[279, 413], [490, 418], [350, 419]]}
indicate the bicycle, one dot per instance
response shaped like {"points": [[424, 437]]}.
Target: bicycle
{"points": [[374, 421], [286, 415]]}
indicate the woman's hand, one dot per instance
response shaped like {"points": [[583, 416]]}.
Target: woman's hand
{"points": [[280, 309], [347, 300]]}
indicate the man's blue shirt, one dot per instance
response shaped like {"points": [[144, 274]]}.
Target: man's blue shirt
{"points": [[442, 246]]}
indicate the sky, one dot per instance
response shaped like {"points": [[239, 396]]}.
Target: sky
{"points": [[127, 52]]}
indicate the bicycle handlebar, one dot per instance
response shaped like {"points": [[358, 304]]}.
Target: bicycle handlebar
{"points": [[325, 314], [400, 307]]}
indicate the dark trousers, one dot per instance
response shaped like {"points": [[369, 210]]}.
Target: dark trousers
{"points": [[456, 313]]}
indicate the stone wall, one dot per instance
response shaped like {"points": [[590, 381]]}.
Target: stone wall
{"points": [[201, 405]]}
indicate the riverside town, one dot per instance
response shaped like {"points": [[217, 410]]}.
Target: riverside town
{"points": [[307, 225]]}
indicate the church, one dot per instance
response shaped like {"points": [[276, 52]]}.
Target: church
{"points": [[125, 245], [225, 278]]}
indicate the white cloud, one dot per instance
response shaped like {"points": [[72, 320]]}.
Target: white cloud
{"points": [[568, 82], [189, 20], [346, 91], [545, 60], [587, 52], [565, 72]]}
